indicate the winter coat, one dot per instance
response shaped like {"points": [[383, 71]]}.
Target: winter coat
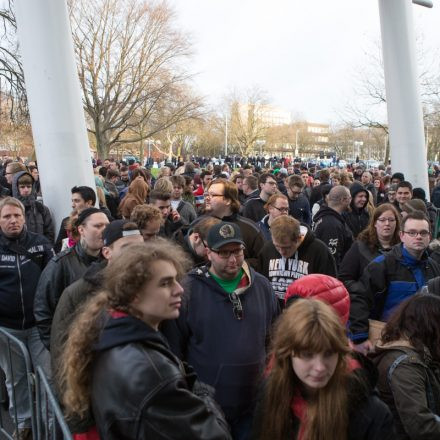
{"points": [[66, 310], [316, 194], [227, 353], [386, 282], [357, 218], [435, 196], [312, 256], [358, 257], [140, 390], [264, 227], [62, 270], [330, 227], [21, 262], [409, 383], [323, 287], [368, 417], [300, 209], [254, 210], [187, 212], [37, 215]]}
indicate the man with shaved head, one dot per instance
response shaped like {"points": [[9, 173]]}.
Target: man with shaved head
{"points": [[329, 224]]}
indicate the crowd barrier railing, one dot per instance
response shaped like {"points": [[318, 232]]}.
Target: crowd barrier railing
{"points": [[47, 421]]}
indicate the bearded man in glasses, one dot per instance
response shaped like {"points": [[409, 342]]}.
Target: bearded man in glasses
{"points": [[221, 201], [227, 312], [391, 278]]}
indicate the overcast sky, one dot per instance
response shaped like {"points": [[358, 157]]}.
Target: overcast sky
{"points": [[304, 53]]}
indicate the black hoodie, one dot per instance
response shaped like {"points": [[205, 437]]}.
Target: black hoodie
{"points": [[330, 227], [357, 219], [312, 256], [38, 217]]}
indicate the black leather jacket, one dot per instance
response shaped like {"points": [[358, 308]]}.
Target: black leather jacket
{"points": [[140, 390], [62, 270]]}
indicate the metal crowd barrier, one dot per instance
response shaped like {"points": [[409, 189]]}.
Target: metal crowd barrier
{"points": [[47, 421]]}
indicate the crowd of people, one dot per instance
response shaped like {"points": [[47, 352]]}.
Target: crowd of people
{"points": [[266, 301]]}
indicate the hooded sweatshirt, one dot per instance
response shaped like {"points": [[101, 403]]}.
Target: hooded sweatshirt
{"points": [[331, 228], [38, 218], [312, 256], [357, 219], [227, 351]]}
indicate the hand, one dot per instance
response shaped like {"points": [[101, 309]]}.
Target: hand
{"points": [[175, 216], [364, 347]]}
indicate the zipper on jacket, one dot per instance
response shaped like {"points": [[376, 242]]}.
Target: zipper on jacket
{"points": [[21, 290]]}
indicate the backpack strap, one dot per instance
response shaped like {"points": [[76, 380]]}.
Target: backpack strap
{"points": [[429, 393]]}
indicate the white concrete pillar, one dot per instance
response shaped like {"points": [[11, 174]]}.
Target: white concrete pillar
{"points": [[55, 104], [405, 116]]}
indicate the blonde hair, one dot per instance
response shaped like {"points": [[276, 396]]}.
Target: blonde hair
{"points": [[164, 185], [11, 201], [285, 228]]}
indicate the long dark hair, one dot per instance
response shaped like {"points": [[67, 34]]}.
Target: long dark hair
{"points": [[417, 320], [306, 326], [369, 234]]}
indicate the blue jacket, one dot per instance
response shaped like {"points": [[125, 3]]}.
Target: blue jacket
{"points": [[387, 281], [226, 353], [19, 275]]}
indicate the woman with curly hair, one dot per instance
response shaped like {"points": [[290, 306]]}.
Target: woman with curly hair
{"points": [[381, 234], [118, 366], [314, 389], [408, 359]]}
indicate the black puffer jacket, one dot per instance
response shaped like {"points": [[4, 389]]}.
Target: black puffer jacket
{"points": [[38, 217], [62, 270], [140, 390], [19, 275]]}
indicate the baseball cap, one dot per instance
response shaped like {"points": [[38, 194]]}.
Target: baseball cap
{"points": [[115, 230], [224, 233]]}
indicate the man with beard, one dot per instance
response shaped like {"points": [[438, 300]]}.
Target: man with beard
{"points": [[221, 200]]}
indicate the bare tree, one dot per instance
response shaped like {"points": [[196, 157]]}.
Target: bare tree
{"points": [[369, 110], [247, 122], [12, 87], [130, 60]]}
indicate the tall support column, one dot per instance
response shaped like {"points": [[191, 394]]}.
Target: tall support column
{"points": [[405, 116], [54, 98]]}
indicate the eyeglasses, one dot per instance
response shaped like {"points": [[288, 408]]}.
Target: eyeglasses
{"points": [[237, 308], [271, 182], [413, 234], [227, 254], [213, 195], [386, 219], [296, 193], [280, 209]]}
